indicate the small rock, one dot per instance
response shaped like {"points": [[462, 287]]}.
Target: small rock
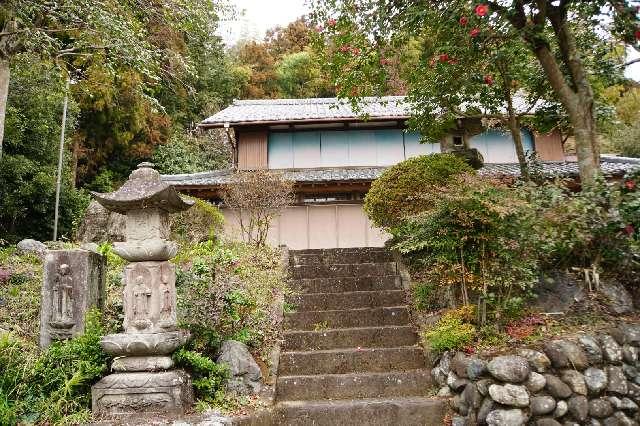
{"points": [[459, 364], [458, 385], [611, 350], [91, 247], [575, 380], [541, 405], [513, 395], [600, 408], [556, 387], [596, 380], [618, 299], [483, 386], [631, 334], [476, 368], [627, 404], [513, 417], [458, 421], [31, 246], [444, 392], [623, 420], [633, 391], [471, 396], [561, 409], [535, 382], [538, 361], [578, 407], [451, 379], [576, 356], [512, 369], [244, 371], [566, 354], [441, 371], [630, 371], [485, 408], [591, 349], [460, 405], [556, 354], [630, 354], [617, 382], [546, 421]]}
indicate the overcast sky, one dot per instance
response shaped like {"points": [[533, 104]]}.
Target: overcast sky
{"points": [[257, 16]]}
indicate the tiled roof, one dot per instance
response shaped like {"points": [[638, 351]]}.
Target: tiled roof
{"points": [[274, 111], [290, 110], [611, 166]]}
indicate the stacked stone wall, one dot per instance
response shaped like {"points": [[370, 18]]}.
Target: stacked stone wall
{"points": [[587, 379]]}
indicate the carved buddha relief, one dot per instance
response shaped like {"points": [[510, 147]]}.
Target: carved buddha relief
{"points": [[62, 302]]}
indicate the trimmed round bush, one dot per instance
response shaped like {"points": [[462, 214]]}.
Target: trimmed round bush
{"points": [[408, 187]]}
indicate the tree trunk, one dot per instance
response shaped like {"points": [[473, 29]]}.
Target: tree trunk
{"points": [[4, 93], [579, 108], [514, 126]]}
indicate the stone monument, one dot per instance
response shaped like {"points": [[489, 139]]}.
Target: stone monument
{"points": [[74, 281], [143, 381]]}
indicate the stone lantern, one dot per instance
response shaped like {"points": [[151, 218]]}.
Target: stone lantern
{"points": [[143, 381]]}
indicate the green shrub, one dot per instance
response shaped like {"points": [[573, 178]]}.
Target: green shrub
{"points": [[474, 240], [198, 224], [586, 228], [425, 296], [208, 377], [54, 387], [451, 332], [409, 187], [226, 291]]}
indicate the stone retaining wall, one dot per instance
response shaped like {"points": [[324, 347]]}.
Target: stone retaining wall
{"points": [[582, 380]]}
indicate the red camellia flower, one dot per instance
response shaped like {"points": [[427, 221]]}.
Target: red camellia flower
{"points": [[488, 80], [443, 57], [331, 22], [629, 229], [464, 20], [355, 51], [474, 32], [638, 34], [630, 184], [482, 10], [344, 48]]}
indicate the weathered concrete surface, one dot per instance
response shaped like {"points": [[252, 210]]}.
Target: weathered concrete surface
{"points": [[74, 281], [349, 355]]}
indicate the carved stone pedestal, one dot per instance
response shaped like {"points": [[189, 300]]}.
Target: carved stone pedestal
{"points": [[143, 393]]}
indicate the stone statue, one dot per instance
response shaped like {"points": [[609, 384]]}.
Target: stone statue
{"points": [[74, 281], [144, 381]]}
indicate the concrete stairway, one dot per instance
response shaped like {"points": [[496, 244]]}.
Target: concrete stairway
{"points": [[350, 355]]}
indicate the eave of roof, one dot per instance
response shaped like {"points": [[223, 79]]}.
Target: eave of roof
{"points": [[610, 168]]}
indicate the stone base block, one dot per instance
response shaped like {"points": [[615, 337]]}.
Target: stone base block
{"points": [[141, 363], [143, 393], [144, 344]]}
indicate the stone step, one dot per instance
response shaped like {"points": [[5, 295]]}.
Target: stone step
{"points": [[347, 284], [354, 385], [353, 360], [413, 411], [347, 300], [368, 317], [344, 270], [340, 256], [364, 337]]}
